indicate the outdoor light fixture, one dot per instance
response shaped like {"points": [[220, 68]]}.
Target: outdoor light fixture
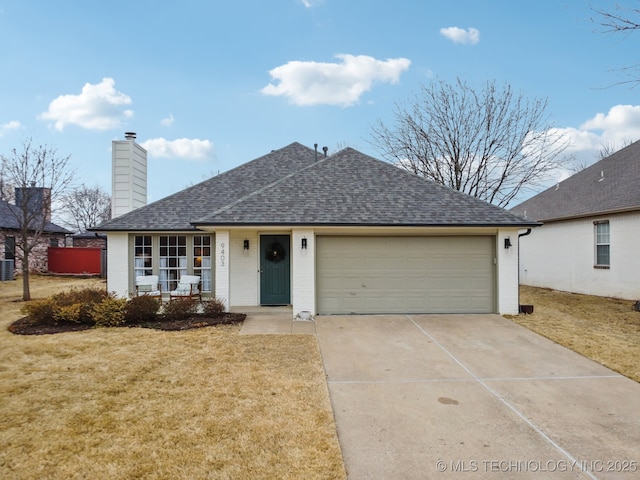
{"points": [[304, 243], [246, 244], [507, 242]]}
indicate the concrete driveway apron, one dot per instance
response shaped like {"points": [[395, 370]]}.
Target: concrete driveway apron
{"points": [[473, 396]]}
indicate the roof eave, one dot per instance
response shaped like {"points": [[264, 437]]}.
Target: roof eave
{"points": [[390, 225], [591, 214]]}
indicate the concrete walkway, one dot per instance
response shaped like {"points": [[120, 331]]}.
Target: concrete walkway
{"points": [[469, 396]]}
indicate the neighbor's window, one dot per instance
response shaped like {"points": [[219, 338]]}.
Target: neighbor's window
{"points": [[9, 248], [602, 244], [202, 260], [173, 260], [142, 260], [53, 242]]}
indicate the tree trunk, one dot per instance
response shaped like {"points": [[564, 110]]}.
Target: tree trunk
{"points": [[26, 292]]}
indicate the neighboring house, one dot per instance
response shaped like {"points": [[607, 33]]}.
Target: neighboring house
{"points": [[53, 235], [89, 240], [590, 240], [335, 234]]}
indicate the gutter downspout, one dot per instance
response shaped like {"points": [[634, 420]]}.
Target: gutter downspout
{"points": [[528, 232]]}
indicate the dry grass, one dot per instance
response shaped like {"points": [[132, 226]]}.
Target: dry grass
{"points": [[138, 403], [606, 330]]}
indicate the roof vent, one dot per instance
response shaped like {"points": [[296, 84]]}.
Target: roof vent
{"points": [[325, 149], [601, 176], [130, 135]]}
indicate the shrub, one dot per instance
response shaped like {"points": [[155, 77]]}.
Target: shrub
{"points": [[76, 304], [214, 308], [40, 312], [69, 313], [141, 309], [179, 309], [109, 312]]}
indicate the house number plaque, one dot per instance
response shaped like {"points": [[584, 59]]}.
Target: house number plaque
{"points": [[222, 254]]}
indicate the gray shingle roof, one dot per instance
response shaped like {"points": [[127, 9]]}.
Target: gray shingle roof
{"points": [[288, 187], [9, 215], [610, 185]]}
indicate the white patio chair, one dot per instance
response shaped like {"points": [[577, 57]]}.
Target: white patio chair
{"points": [[148, 285], [188, 287]]}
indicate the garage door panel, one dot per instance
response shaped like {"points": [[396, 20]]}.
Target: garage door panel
{"points": [[405, 274]]}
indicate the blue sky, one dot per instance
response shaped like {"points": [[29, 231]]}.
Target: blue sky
{"points": [[209, 85]]}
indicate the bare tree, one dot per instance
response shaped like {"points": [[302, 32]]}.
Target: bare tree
{"points": [[40, 176], [490, 143], [610, 148], [86, 207], [625, 20]]}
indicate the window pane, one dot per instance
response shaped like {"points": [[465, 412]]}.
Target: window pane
{"points": [[173, 260], [602, 255], [202, 261], [142, 263]]}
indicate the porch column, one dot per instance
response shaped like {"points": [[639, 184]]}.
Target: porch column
{"points": [[303, 276], [222, 267]]}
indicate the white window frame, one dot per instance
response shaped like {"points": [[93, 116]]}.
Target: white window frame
{"points": [[172, 255], [143, 255], [602, 244], [202, 260]]}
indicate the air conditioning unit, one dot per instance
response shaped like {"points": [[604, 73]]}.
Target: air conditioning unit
{"points": [[6, 270]]}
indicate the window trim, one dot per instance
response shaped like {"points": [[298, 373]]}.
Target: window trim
{"points": [[597, 243]]}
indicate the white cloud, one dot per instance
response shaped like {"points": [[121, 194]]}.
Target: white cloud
{"points": [[186, 148], [309, 3], [315, 83], [470, 36], [98, 107], [7, 127], [167, 122], [622, 123]]}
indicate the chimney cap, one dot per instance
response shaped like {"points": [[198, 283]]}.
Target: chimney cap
{"points": [[130, 135]]}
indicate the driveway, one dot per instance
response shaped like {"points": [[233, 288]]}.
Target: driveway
{"points": [[473, 396]]}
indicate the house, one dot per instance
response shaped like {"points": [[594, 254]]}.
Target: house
{"points": [[327, 234], [89, 240], [590, 240], [52, 235]]}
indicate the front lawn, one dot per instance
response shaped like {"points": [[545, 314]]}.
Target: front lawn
{"points": [[606, 330], [142, 403]]}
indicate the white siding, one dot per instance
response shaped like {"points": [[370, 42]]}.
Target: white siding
{"points": [[244, 267], [303, 282], [118, 263], [561, 255], [129, 177]]}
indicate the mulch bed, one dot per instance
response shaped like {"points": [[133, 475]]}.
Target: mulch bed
{"points": [[24, 327]]}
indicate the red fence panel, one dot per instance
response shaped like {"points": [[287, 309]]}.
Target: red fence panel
{"points": [[74, 260]]}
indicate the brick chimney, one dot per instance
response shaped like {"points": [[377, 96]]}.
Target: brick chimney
{"points": [[129, 175], [35, 199]]}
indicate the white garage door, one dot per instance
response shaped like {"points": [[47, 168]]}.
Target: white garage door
{"points": [[405, 274]]}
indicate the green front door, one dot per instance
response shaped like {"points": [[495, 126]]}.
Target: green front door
{"points": [[275, 274]]}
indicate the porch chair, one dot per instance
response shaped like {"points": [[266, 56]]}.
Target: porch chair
{"points": [[148, 285], [188, 287]]}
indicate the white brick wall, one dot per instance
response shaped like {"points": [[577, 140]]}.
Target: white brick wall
{"points": [[223, 257], [244, 266], [303, 279], [561, 255], [118, 263], [507, 272]]}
